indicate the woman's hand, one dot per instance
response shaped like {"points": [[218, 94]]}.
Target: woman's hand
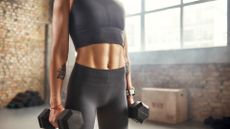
{"points": [[130, 100], [54, 112]]}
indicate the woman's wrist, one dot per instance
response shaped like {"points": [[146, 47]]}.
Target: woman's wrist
{"points": [[129, 86], [54, 102], [130, 91], [57, 107]]}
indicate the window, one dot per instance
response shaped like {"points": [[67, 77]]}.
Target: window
{"points": [[162, 30], [158, 4], [133, 32], [175, 24], [205, 25]]}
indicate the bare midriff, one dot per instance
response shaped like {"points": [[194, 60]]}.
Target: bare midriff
{"points": [[101, 56]]}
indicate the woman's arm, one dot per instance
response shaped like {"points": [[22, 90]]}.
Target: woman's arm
{"points": [[128, 70], [60, 46]]}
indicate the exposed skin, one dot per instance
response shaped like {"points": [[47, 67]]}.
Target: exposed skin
{"points": [[100, 56]]}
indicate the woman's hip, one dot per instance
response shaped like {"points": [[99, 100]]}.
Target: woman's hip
{"points": [[95, 85], [85, 74]]}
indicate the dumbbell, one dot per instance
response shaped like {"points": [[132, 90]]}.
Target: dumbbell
{"points": [[67, 119], [138, 111]]}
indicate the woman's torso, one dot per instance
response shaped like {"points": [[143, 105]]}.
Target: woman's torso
{"points": [[102, 55]]}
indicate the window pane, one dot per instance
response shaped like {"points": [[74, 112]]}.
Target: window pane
{"points": [[131, 6], [163, 30], [187, 1], [133, 32], [156, 4], [205, 24]]}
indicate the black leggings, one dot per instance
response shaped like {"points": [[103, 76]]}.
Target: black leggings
{"points": [[98, 91]]}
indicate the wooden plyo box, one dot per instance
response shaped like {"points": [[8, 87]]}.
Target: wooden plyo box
{"points": [[166, 105]]}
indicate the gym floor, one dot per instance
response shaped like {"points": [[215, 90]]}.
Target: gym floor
{"points": [[26, 118]]}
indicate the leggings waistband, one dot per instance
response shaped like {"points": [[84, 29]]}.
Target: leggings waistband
{"points": [[99, 72]]}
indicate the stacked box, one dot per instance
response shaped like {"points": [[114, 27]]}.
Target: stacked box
{"points": [[166, 105]]}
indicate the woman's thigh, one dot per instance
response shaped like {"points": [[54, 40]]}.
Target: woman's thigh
{"points": [[114, 115], [78, 98]]}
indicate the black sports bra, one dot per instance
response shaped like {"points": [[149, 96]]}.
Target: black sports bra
{"points": [[96, 21]]}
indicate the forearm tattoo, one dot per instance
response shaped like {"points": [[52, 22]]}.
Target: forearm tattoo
{"points": [[127, 67], [61, 72]]}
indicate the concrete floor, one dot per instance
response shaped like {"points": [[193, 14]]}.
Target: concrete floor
{"points": [[27, 119]]}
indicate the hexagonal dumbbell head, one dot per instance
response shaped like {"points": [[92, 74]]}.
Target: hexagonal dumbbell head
{"points": [[70, 119], [138, 111], [43, 119]]}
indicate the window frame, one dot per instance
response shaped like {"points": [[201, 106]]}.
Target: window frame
{"points": [[181, 6], [228, 23]]}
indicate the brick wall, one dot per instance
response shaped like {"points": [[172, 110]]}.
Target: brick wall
{"points": [[22, 46], [208, 85]]}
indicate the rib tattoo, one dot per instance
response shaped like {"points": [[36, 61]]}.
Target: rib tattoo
{"points": [[61, 72]]}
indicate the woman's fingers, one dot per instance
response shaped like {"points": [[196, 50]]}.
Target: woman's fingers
{"points": [[53, 121], [53, 116], [130, 100]]}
